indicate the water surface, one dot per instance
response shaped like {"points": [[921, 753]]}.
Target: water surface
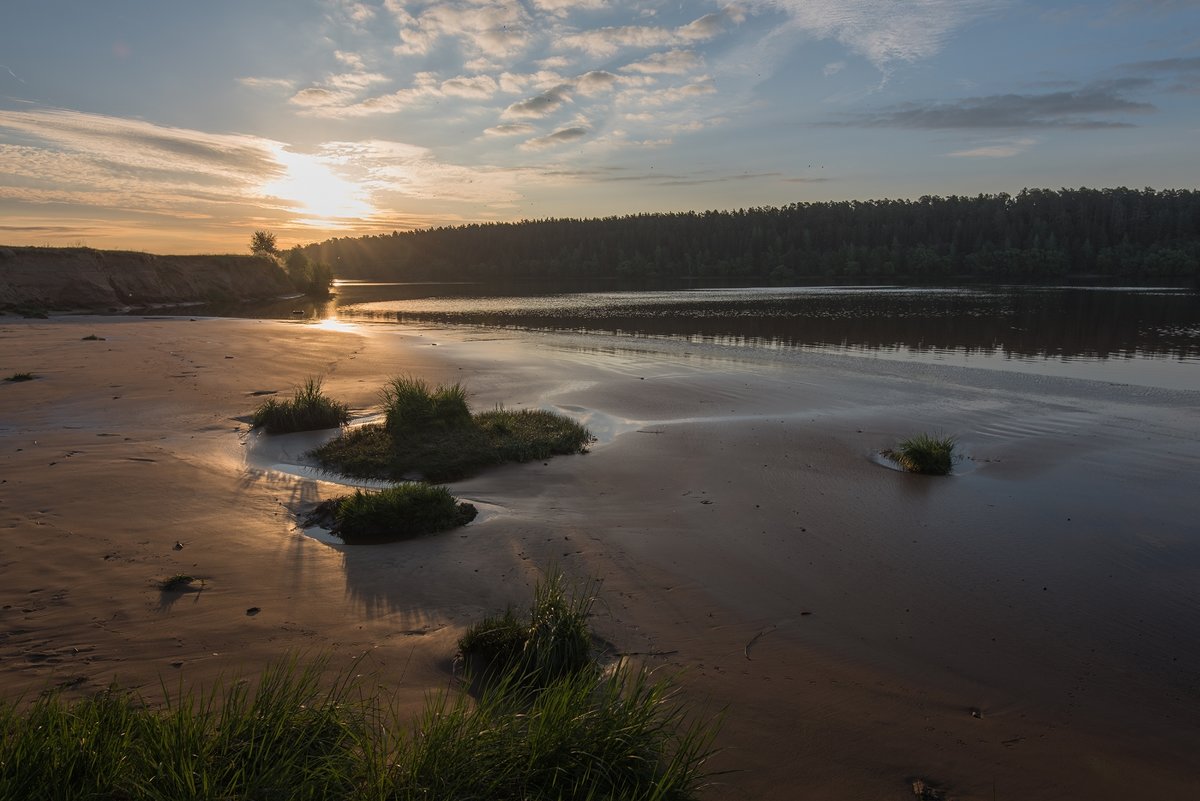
{"points": [[1140, 336]]}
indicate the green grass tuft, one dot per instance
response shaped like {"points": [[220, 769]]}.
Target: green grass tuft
{"points": [[308, 410], [412, 407], [427, 436], [552, 643], [15, 377], [926, 454], [401, 512]]}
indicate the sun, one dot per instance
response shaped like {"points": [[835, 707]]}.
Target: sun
{"points": [[323, 197]]}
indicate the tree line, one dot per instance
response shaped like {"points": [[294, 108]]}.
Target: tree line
{"points": [[1038, 235]]}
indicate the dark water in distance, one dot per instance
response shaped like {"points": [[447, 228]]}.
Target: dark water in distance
{"points": [[1151, 335]]}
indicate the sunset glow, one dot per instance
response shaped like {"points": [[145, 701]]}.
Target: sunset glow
{"points": [[346, 117]]}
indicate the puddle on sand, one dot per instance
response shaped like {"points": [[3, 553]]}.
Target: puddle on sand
{"points": [[287, 454], [604, 427]]}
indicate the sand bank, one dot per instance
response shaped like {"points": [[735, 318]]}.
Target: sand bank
{"points": [[1029, 628]]}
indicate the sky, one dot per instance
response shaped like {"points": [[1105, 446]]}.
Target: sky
{"points": [[182, 127]]}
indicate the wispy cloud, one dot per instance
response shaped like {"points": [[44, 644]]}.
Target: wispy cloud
{"points": [[112, 165], [510, 129], [559, 137], [606, 41], [395, 171], [496, 29], [996, 150], [1094, 107], [10, 72], [539, 105], [671, 62], [884, 32], [268, 83]]}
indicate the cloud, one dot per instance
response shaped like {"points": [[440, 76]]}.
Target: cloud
{"points": [[125, 169], [425, 87], [513, 82], [511, 129], [670, 95], [671, 62], [561, 136], [539, 105], [564, 7], [495, 29], [267, 83], [1184, 72], [595, 82], [479, 87], [137, 145], [356, 12], [833, 68], [352, 60], [882, 31], [997, 150], [608, 40], [1086, 108], [319, 96], [1168, 65], [106, 163], [392, 171]]}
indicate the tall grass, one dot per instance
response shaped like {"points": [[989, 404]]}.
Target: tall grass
{"points": [[411, 406], [552, 642], [925, 454], [309, 409], [289, 737], [619, 737], [616, 736], [399, 513]]}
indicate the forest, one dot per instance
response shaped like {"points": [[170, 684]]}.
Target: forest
{"points": [[1036, 236]]}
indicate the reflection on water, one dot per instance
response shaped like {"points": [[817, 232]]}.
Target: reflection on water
{"points": [[961, 325]]}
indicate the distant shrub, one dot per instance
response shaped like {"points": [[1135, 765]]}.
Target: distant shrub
{"points": [[308, 410], [924, 454], [15, 377]]}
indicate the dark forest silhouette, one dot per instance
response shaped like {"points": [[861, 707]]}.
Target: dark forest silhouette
{"points": [[1036, 236]]}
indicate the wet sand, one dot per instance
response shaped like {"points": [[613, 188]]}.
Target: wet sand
{"points": [[1028, 628]]}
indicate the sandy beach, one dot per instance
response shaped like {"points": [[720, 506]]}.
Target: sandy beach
{"points": [[1028, 628]]}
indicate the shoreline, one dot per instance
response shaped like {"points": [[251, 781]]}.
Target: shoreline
{"points": [[736, 497]]}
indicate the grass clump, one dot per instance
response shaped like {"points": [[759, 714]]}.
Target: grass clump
{"points": [[92, 338], [553, 642], [430, 433], [924, 453], [309, 409], [401, 512], [412, 407], [15, 377]]}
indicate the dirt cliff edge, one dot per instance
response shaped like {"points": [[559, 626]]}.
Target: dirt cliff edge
{"points": [[82, 278]]}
